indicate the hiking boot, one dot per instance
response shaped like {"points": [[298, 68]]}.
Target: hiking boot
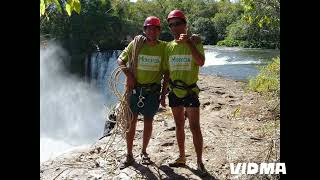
{"points": [[179, 162], [202, 169], [127, 162]]}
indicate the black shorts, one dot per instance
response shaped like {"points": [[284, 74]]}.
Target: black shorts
{"points": [[188, 101]]}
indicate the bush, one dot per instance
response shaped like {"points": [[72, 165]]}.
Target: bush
{"points": [[228, 42], [268, 84], [251, 44], [268, 80]]}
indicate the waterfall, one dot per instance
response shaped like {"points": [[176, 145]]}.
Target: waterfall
{"points": [[72, 110], [98, 69]]}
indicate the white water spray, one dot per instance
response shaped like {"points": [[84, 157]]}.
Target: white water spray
{"points": [[71, 111], [214, 58]]}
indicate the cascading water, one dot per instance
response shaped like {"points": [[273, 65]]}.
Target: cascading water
{"points": [[72, 111], [99, 68]]}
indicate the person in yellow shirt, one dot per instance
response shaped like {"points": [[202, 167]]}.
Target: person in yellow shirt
{"points": [[146, 86], [183, 59]]}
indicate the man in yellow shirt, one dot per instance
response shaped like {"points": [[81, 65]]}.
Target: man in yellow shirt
{"points": [[145, 86], [183, 59]]}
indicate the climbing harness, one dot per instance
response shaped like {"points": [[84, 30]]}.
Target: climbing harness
{"points": [[178, 84]]}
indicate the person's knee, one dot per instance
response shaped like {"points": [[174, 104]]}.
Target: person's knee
{"points": [[195, 127], [180, 124]]}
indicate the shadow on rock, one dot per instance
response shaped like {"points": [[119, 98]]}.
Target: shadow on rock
{"points": [[206, 176], [145, 171], [170, 173]]}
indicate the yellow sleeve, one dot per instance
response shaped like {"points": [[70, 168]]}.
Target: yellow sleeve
{"points": [[125, 53]]}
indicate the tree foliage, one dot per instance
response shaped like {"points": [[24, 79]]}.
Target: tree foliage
{"points": [[206, 29], [111, 24], [60, 6], [259, 24], [268, 81]]}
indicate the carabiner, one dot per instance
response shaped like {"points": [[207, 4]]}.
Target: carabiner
{"points": [[140, 103]]}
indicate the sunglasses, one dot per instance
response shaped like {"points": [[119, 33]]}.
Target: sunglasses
{"points": [[177, 23]]}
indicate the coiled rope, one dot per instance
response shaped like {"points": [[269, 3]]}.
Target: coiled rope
{"points": [[124, 115]]}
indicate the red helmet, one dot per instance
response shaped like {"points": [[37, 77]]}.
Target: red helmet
{"points": [[151, 21], [176, 14]]}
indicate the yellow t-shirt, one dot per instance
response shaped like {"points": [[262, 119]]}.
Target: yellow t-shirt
{"points": [[150, 62], [181, 65]]}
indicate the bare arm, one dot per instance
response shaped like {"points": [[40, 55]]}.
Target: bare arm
{"points": [[195, 53], [130, 82], [199, 58]]}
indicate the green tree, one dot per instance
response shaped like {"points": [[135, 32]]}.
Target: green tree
{"points": [[205, 27], [263, 17], [96, 26], [60, 6], [238, 30], [228, 14]]}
